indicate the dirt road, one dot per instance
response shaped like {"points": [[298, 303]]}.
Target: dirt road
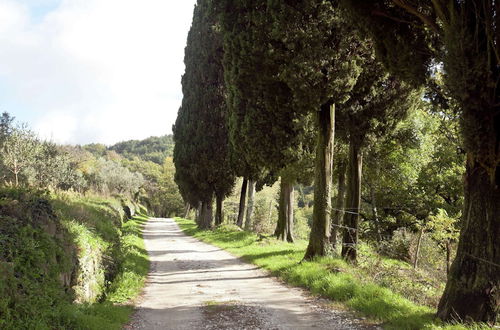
{"points": [[193, 285]]}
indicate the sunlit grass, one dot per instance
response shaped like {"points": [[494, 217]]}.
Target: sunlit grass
{"points": [[329, 277]]}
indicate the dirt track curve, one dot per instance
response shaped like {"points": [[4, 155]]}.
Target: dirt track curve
{"points": [[194, 285]]}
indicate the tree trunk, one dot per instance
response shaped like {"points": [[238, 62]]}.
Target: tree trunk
{"points": [[186, 210], [417, 251], [289, 218], [270, 211], [219, 210], [251, 197], [243, 196], [284, 228], [338, 213], [280, 231], [198, 213], [473, 288], [206, 217], [448, 257], [319, 239], [375, 213], [351, 219]]}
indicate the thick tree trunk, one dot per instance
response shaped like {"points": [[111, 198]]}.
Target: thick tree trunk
{"points": [[338, 213], [206, 216], [284, 228], [186, 210], [243, 196], [219, 210], [351, 219], [319, 240], [251, 197], [473, 288]]}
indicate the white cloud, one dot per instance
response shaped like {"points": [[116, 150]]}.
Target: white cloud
{"points": [[96, 70]]}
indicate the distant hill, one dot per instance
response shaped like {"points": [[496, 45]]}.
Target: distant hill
{"points": [[154, 148]]}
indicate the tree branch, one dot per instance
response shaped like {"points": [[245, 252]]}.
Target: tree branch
{"points": [[412, 10]]}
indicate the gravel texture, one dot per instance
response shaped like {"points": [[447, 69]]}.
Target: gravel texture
{"points": [[194, 285]]}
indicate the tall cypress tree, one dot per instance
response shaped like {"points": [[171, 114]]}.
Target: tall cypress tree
{"points": [[286, 61], [267, 133], [201, 138], [464, 35], [377, 103], [320, 65]]}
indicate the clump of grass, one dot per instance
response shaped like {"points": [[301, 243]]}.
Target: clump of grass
{"points": [[329, 277]]}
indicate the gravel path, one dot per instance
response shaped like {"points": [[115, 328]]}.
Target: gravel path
{"points": [[193, 285]]}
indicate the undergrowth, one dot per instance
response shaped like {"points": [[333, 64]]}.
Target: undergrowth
{"points": [[329, 277], [67, 261]]}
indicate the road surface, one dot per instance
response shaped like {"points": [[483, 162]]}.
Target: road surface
{"points": [[193, 285]]}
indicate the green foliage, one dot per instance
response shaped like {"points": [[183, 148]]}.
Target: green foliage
{"points": [[111, 177], [443, 227], [154, 149], [200, 132], [19, 150]]}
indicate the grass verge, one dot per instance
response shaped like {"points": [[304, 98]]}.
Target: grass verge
{"points": [[67, 261], [329, 277], [115, 311]]}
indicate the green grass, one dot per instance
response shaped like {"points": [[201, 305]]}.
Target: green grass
{"points": [[135, 266], [115, 311], [329, 277], [67, 261]]}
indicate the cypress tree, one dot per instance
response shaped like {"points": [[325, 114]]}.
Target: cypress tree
{"points": [[264, 140], [320, 65], [285, 63], [201, 155], [377, 103], [464, 36]]}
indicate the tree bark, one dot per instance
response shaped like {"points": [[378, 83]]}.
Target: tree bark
{"points": [[243, 196], [280, 231], [198, 213], [351, 219], [219, 210], [473, 288], [206, 217], [284, 227], [338, 213], [448, 257], [319, 239], [251, 197], [289, 218], [186, 210]]}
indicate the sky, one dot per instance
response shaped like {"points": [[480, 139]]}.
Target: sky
{"points": [[93, 71]]}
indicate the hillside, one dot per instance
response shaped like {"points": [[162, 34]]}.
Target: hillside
{"points": [[154, 148]]}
